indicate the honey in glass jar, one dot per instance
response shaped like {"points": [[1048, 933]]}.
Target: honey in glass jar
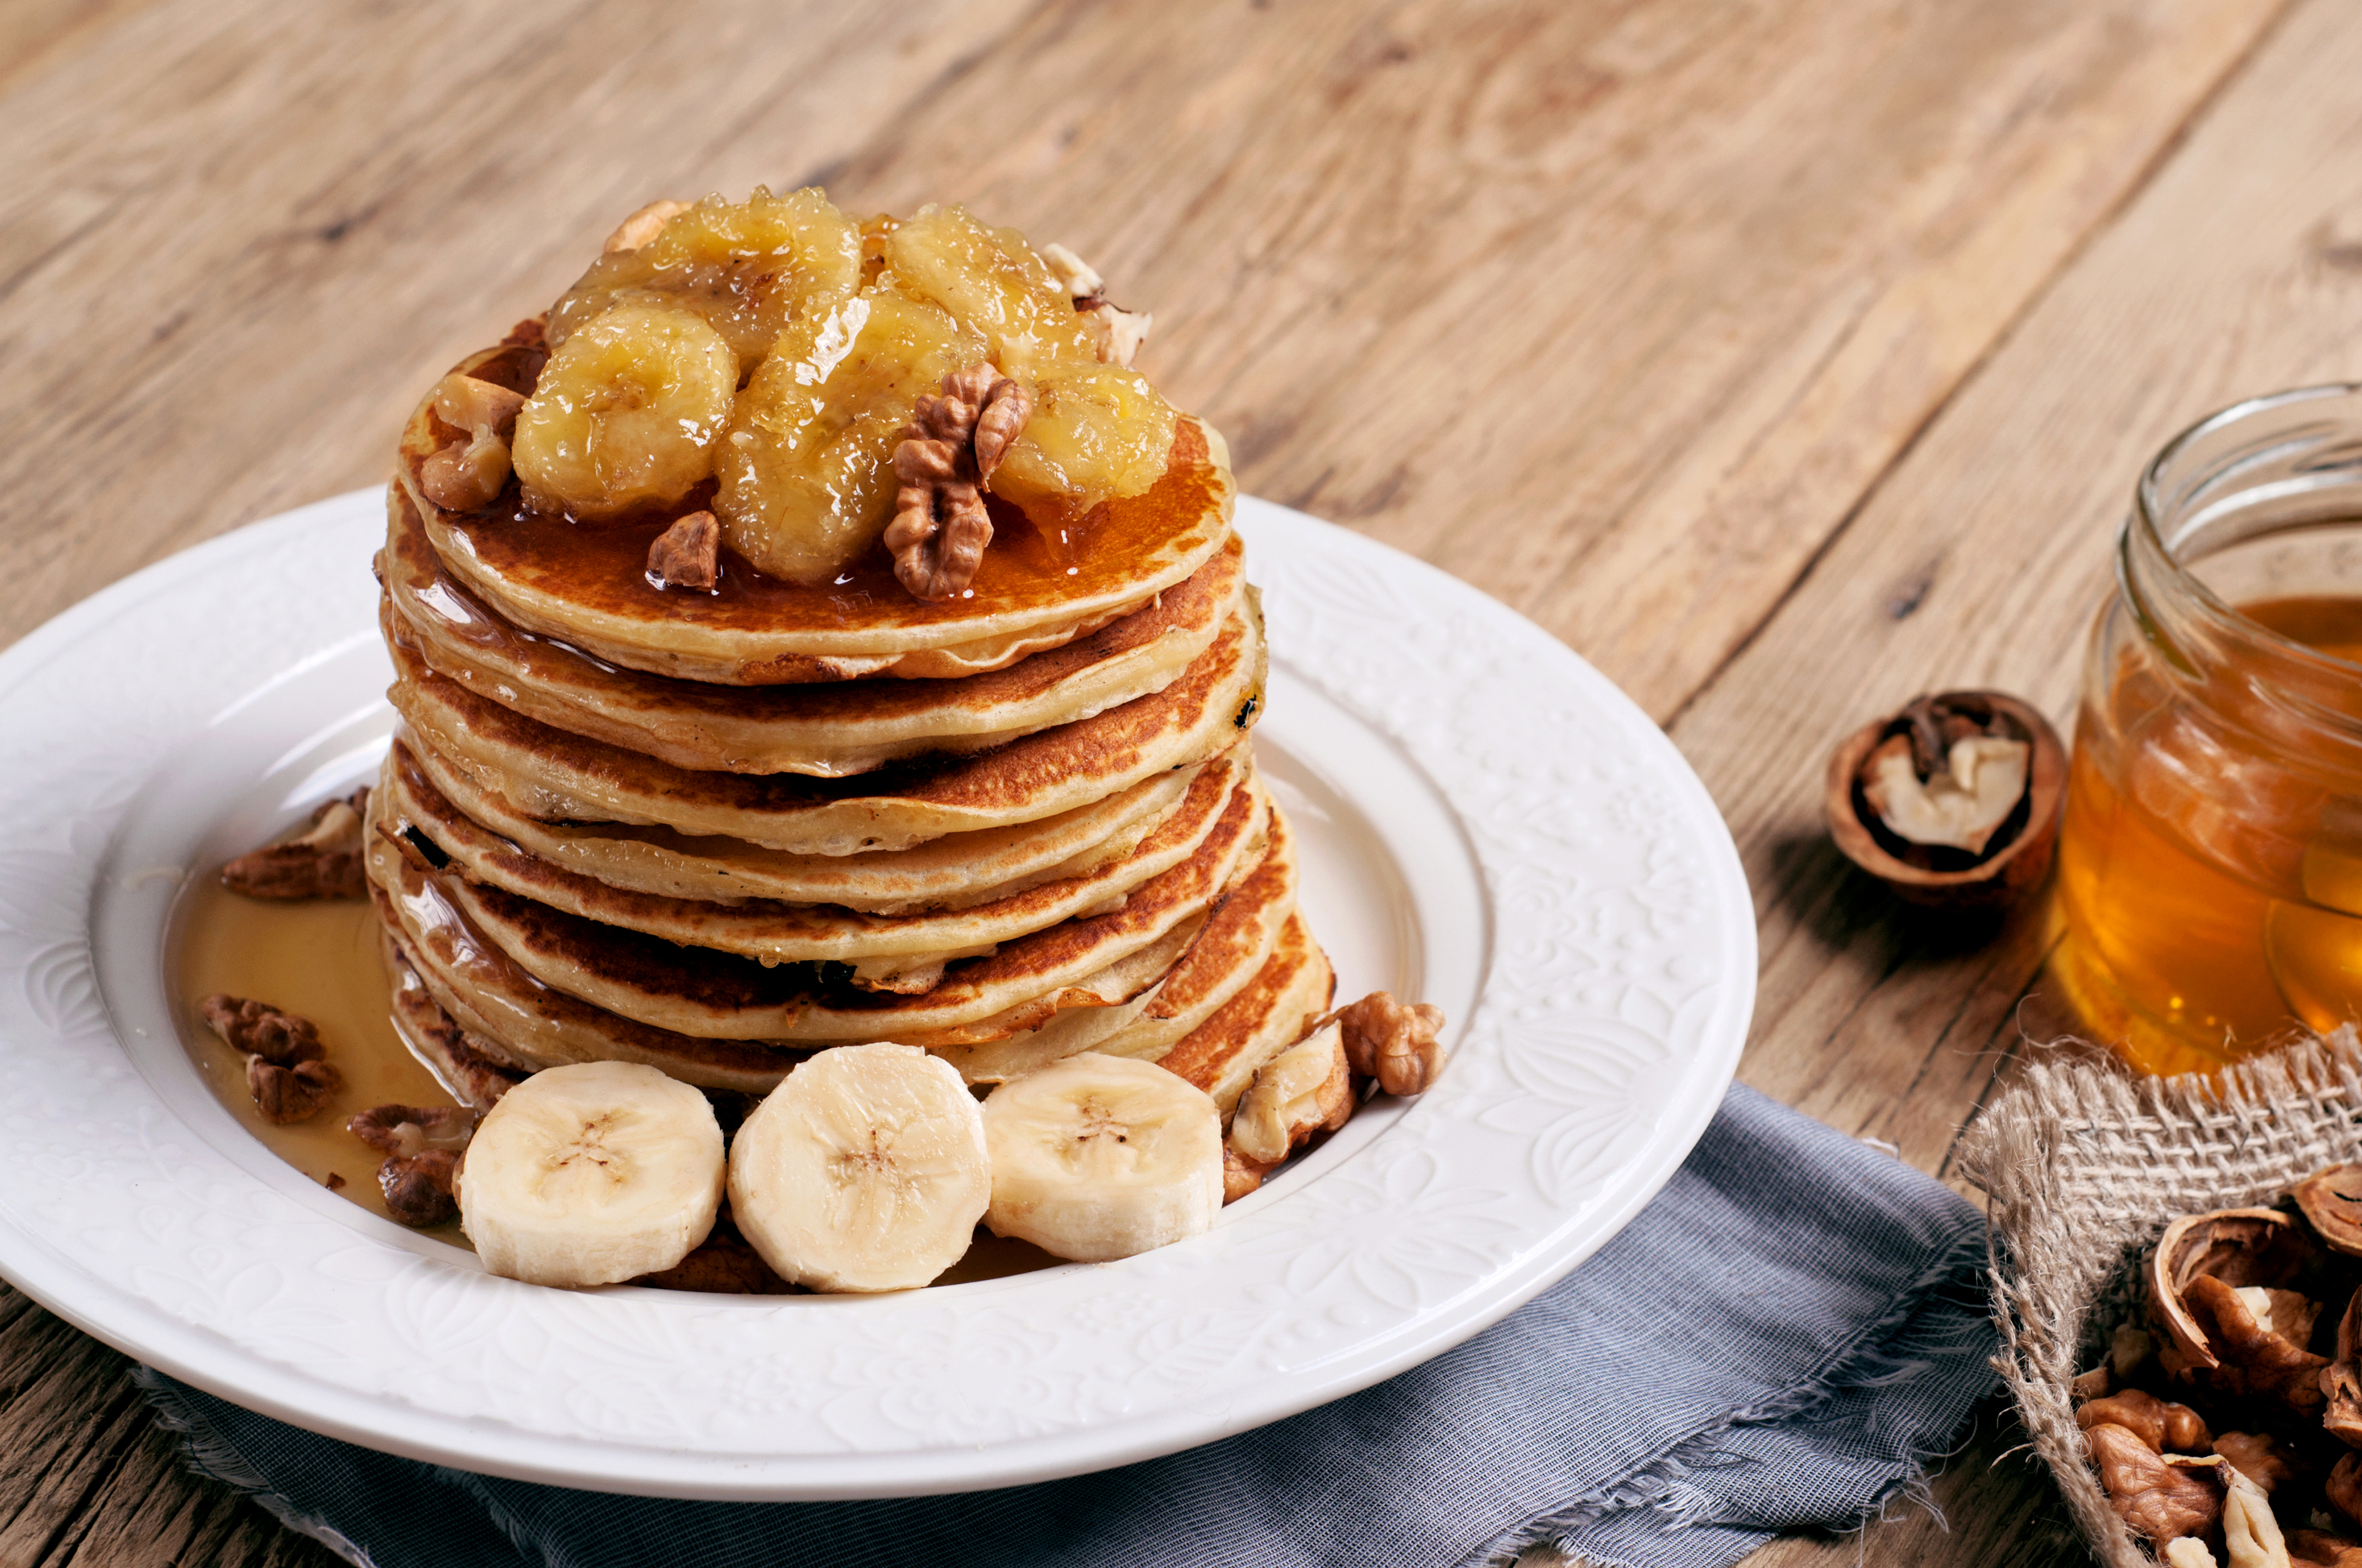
{"points": [[2210, 866]]}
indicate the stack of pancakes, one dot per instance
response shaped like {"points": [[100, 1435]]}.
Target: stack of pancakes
{"points": [[715, 832]]}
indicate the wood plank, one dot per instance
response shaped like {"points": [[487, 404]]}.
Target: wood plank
{"points": [[1613, 310], [1980, 562], [236, 239]]}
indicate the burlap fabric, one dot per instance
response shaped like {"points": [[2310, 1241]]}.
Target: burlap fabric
{"points": [[2085, 1164]]}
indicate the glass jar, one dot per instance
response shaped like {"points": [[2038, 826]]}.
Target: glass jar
{"points": [[2210, 866]]}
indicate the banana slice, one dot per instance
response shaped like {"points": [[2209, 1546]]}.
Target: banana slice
{"points": [[1099, 1157], [590, 1174], [864, 1170]]}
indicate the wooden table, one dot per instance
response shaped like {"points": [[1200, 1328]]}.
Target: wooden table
{"points": [[1786, 357]]}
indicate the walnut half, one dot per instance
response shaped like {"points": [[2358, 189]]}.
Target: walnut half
{"points": [[284, 1072], [1392, 1042], [1306, 1089], [687, 554], [322, 862], [947, 453]]}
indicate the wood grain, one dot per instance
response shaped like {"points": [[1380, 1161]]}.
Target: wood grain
{"points": [[1785, 359]]}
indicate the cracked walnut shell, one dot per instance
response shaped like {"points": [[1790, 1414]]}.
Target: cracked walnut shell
{"points": [[1915, 799]]}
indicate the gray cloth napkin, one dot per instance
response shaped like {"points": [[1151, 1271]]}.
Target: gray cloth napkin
{"points": [[1777, 1342]]}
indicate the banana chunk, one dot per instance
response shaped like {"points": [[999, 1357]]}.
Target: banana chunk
{"points": [[1098, 1157], [866, 1169], [590, 1174], [626, 415]]}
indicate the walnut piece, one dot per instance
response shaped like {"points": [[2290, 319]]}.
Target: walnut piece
{"points": [[1121, 333], [1391, 1042], [284, 1072], [2341, 1380], [2324, 1550], [468, 471], [643, 227], [948, 451], [2157, 1498], [687, 554], [2155, 1422], [1306, 1089], [2260, 1457], [2187, 1552], [2251, 1536], [2345, 1487], [2254, 1360], [422, 1145], [322, 862]]}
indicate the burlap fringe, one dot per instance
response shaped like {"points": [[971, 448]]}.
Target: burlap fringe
{"points": [[2084, 1165]]}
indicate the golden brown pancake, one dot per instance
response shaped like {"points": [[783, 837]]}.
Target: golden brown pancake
{"points": [[720, 996], [887, 950], [549, 773], [1273, 1012], [1240, 933], [504, 1009], [586, 583], [827, 731], [955, 872]]}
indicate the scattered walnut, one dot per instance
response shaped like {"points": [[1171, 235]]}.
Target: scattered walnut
{"points": [[2157, 1498], [687, 554], [2096, 1384], [422, 1145], [2153, 1420], [953, 445], [418, 1191], [2345, 1487], [1391, 1042], [2254, 1359], [2323, 1550], [1121, 333], [2260, 1457], [284, 1072], [643, 227], [2251, 1536], [2341, 1380], [468, 471], [324, 861], [1303, 1090]]}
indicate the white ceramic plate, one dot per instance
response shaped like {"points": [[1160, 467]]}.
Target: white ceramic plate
{"points": [[1486, 823]]}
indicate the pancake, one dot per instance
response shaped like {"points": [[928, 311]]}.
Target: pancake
{"points": [[1273, 1012], [546, 773], [471, 1069], [720, 996], [890, 952], [826, 731], [502, 1009], [585, 583], [1240, 935], [954, 872], [499, 1006]]}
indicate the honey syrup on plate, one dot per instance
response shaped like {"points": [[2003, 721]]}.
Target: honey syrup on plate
{"points": [[2210, 879], [319, 961]]}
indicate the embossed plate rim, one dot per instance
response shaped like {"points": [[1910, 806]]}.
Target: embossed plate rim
{"points": [[1559, 786]]}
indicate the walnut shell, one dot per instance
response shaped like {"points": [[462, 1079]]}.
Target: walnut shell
{"points": [[2239, 1246], [2332, 1202], [2013, 864]]}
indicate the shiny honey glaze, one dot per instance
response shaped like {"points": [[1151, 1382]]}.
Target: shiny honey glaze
{"points": [[602, 566], [2210, 893], [321, 961]]}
